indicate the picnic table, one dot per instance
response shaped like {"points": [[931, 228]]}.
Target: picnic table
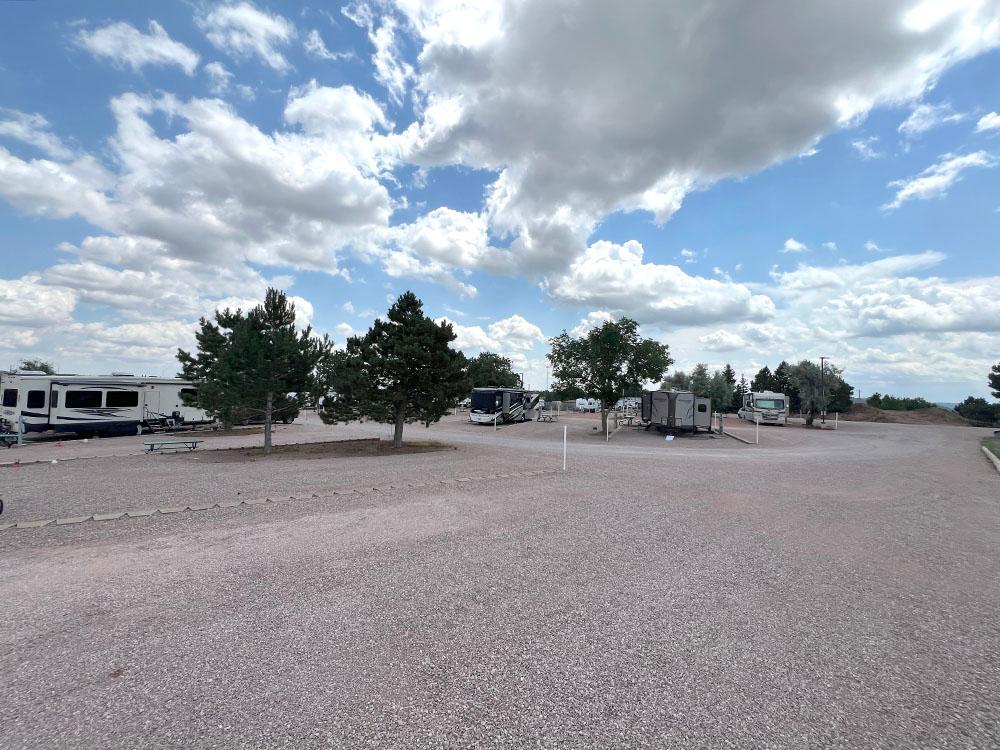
{"points": [[159, 446], [8, 439], [548, 416]]}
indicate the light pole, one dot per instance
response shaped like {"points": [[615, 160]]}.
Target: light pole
{"points": [[822, 388]]}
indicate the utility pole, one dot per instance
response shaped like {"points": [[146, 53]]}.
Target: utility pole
{"points": [[822, 388]]}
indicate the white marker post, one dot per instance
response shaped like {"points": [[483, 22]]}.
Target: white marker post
{"points": [[495, 421], [565, 429], [756, 419], [836, 420], [607, 430]]}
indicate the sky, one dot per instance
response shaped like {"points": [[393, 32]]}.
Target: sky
{"points": [[751, 182]]}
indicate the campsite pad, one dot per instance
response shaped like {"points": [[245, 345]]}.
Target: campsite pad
{"points": [[299, 451]]}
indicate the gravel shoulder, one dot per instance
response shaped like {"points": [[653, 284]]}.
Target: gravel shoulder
{"points": [[837, 590]]}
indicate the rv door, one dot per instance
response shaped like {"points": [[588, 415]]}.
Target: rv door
{"points": [[506, 402]]}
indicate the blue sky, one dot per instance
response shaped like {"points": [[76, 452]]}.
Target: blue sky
{"points": [[750, 189]]}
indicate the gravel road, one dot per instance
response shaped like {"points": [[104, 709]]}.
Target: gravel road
{"points": [[823, 589]]}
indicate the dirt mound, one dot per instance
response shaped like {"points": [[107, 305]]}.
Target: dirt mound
{"points": [[933, 415]]}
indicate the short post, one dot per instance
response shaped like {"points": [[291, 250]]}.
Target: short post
{"points": [[20, 431], [495, 416], [607, 430], [756, 419], [836, 420], [565, 429]]}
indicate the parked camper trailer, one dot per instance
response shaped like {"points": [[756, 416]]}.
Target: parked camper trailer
{"points": [[676, 410], [501, 405], [765, 407], [99, 405], [588, 404]]}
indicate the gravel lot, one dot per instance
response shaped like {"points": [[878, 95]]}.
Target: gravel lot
{"points": [[823, 589]]}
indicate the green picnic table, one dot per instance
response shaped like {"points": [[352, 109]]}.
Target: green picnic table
{"points": [[159, 446], [8, 439]]}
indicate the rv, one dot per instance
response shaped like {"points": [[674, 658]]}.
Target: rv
{"points": [[765, 407], [501, 405], [99, 405], [676, 410], [588, 404]]}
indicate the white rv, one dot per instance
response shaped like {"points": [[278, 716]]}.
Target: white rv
{"points": [[98, 405], [676, 410], [501, 405], [588, 404], [766, 407]]}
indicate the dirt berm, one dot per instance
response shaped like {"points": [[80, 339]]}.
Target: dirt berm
{"points": [[934, 415]]}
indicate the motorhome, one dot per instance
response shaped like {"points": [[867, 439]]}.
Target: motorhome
{"points": [[765, 407], [501, 405], [95, 405], [588, 404], [676, 410]]}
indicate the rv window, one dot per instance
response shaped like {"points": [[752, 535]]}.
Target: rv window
{"points": [[36, 399], [55, 400], [83, 399], [702, 407], [189, 395], [10, 397], [121, 399]]}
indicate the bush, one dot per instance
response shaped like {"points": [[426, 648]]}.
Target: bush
{"points": [[897, 403], [979, 410]]}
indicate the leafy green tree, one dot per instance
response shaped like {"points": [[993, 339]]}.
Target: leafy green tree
{"points": [[993, 380], [678, 380], [251, 362], [402, 370], [488, 369], [608, 361], [37, 365], [763, 380], [815, 386], [700, 380]]}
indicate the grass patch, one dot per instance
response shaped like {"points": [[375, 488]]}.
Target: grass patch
{"points": [[993, 446]]}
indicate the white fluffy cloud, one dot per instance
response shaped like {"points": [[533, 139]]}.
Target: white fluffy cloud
{"points": [[937, 179], [614, 277], [316, 47], [990, 121], [792, 245], [126, 46], [926, 117], [33, 129], [605, 131], [242, 30]]}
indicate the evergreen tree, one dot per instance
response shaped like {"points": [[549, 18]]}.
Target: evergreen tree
{"points": [[247, 363], [204, 367], [720, 391], [993, 380], [730, 375], [402, 370], [742, 388], [783, 384], [608, 361], [763, 380], [488, 369], [700, 380]]}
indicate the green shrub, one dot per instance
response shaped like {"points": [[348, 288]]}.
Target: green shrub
{"points": [[896, 403]]}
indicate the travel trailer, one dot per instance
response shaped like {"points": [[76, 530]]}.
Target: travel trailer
{"points": [[765, 407], [588, 404], [95, 405], [501, 405], [676, 410]]}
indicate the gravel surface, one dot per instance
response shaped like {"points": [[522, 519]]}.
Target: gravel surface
{"points": [[823, 589]]}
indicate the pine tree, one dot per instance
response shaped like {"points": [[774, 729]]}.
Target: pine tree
{"points": [[247, 363], [993, 380], [402, 370], [700, 380], [763, 380], [742, 388], [783, 384]]}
